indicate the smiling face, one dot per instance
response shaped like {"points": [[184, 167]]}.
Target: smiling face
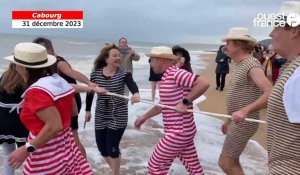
{"points": [[114, 58]]}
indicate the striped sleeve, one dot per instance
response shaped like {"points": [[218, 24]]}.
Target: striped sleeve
{"points": [[253, 63], [184, 78]]}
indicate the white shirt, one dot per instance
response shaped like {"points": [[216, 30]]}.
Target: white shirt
{"points": [[291, 97]]}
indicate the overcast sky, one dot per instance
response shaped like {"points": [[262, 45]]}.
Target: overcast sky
{"points": [[170, 21]]}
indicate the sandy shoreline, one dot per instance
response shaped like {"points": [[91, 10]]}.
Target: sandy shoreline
{"points": [[216, 100]]}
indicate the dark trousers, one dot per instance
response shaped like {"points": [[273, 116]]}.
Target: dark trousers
{"points": [[220, 79]]}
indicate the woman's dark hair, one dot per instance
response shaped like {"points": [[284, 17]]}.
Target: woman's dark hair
{"points": [[34, 74], [122, 38], [45, 42], [100, 61], [184, 53]]}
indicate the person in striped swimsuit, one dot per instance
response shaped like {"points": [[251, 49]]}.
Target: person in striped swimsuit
{"points": [[248, 92], [111, 113], [178, 89], [283, 113], [46, 113]]}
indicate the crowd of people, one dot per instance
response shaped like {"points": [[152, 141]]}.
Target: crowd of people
{"points": [[40, 102]]}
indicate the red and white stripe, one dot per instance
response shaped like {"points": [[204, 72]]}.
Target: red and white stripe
{"points": [[59, 156], [175, 85], [180, 129], [170, 147]]}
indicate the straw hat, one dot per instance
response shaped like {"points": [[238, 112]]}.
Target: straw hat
{"points": [[31, 55], [162, 52], [239, 33]]}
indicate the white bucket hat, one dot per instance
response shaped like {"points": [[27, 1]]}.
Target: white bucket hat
{"points": [[289, 7], [239, 33], [162, 52], [291, 12], [31, 55]]}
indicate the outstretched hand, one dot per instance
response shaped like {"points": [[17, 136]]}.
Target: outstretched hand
{"points": [[139, 122]]}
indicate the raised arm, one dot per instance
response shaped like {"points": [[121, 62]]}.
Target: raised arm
{"points": [[135, 56]]}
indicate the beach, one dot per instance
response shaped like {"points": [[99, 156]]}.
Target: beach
{"points": [[138, 145]]}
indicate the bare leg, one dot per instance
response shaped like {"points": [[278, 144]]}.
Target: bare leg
{"points": [[115, 165], [230, 166], [153, 89], [158, 85], [108, 161]]}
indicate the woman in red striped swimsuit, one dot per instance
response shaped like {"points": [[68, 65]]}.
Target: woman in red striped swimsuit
{"points": [[46, 113]]}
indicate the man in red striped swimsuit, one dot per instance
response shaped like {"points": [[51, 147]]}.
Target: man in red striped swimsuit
{"points": [[178, 89]]}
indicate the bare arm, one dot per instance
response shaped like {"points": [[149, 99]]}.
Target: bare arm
{"points": [[53, 125], [151, 113], [199, 87], [80, 88], [257, 77], [65, 68]]}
